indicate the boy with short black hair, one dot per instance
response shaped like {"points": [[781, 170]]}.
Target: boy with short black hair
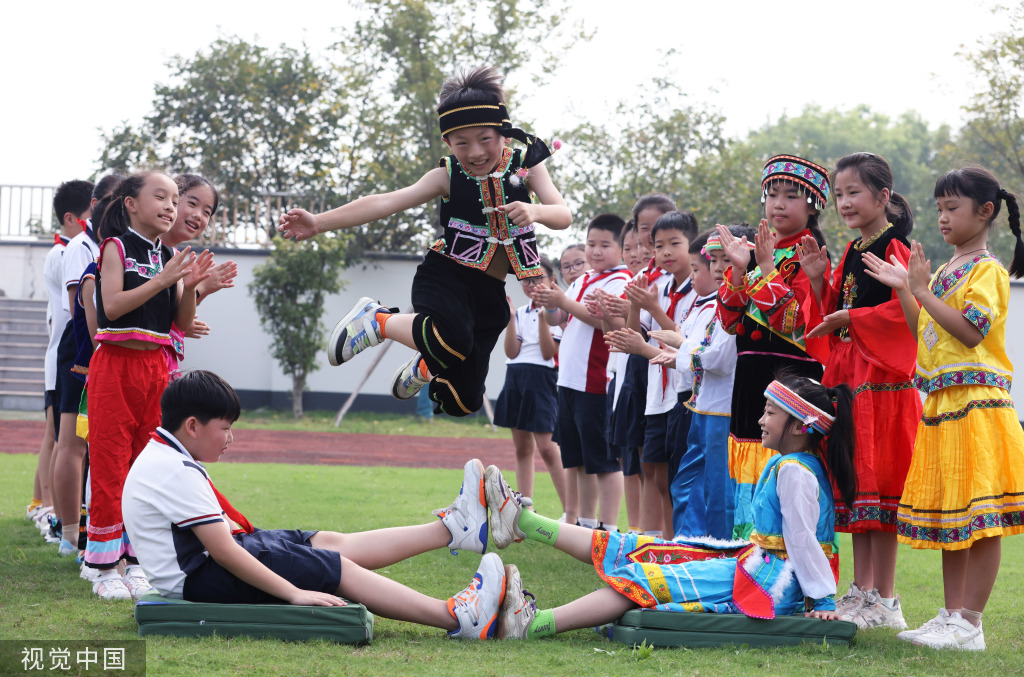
{"points": [[582, 373], [194, 545]]}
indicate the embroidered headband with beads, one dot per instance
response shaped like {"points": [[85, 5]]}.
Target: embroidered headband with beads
{"points": [[812, 177], [715, 243], [464, 114], [809, 415]]}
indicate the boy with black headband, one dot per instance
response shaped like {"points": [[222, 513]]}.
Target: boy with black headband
{"points": [[458, 293]]}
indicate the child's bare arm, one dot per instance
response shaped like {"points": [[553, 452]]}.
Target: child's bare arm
{"points": [[302, 225], [216, 538], [88, 288], [512, 342], [551, 211]]}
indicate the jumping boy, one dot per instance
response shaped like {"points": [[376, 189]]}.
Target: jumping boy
{"points": [[582, 373], [488, 217], [194, 545]]}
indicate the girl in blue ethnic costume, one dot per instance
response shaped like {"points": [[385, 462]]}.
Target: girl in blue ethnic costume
{"points": [[488, 213], [789, 565]]}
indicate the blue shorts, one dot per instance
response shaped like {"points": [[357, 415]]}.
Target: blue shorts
{"points": [[626, 421], [655, 439], [678, 432], [581, 431], [285, 552], [528, 400], [69, 385], [628, 458]]}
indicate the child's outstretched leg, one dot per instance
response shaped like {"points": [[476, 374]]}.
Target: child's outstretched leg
{"points": [[510, 523], [470, 614], [463, 526]]}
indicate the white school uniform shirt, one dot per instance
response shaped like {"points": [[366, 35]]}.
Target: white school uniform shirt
{"points": [[709, 357], [582, 353], [663, 382], [80, 253], [166, 493], [528, 321], [56, 315]]}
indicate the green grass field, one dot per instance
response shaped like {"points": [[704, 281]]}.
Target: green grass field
{"points": [[43, 598]]}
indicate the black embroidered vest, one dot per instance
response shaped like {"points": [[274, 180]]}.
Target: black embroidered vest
{"points": [[143, 260]]}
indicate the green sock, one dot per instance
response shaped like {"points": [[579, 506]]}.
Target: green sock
{"points": [[538, 528], [543, 625]]}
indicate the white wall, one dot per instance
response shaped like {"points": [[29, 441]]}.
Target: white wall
{"points": [[239, 350]]}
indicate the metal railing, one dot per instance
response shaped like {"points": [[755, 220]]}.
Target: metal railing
{"points": [[26, 213]]}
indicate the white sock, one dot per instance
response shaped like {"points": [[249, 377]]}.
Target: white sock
{"points": [[656, 534], [609, 527], [889, 602], [588, 522]]}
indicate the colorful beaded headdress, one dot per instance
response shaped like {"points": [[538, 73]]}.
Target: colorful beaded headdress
{"points": [[809, 415], [464, 114], [811, 177], [715, 242]]}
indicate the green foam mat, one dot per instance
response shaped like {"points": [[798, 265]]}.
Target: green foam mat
{"points": [[156, 615], [671, 628]]}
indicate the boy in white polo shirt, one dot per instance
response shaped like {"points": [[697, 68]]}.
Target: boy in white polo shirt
{"points": [[583, 373], [194, 545]]}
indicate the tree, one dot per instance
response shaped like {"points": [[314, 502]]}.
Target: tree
{"points": [[289, 291]]}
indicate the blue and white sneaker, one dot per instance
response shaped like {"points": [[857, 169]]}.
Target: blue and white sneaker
{"points": [[356, 332], [476, 607], [407, 381], [466, 518]]}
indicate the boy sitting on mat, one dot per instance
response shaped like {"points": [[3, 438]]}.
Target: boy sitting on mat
{"points": [[194, 545]]}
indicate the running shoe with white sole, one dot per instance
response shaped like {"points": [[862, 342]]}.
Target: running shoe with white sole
{"points": [[517, 612], [108, 586], [506, 506], [929, 626], [476, 607], [876, 614], [408, 381], [850, 603], [466, 518], [957, 633], [356, 332], [136, 581]]}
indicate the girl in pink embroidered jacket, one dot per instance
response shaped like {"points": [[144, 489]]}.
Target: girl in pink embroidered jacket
{"points": [[491, 197], [965, 487]]}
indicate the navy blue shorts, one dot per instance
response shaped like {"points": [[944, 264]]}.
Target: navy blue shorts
{"points": [[286, 552], [655, 439], [529, 399], [678, 432], [627, 457], [626, 421], [69, 385], [581, 431]]}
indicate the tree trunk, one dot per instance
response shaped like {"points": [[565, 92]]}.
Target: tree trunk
{"points": [[298, 386]]}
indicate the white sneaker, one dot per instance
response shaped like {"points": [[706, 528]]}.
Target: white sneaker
{"points": [[135, 580], [407, 381], [476, 607], [67, 549], [506, 506], [87, 573], [850, 603], [30, 513], [517, 612], [957, 633], [356, 331], [466, 518], [875, 614], [930, 626], [108, 585]]}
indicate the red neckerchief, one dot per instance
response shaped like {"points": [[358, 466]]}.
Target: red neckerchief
{"points": [[84, 224], [588, 280], [674, 298], [60, 239], [225, 505]]}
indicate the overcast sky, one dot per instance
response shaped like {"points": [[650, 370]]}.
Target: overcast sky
{"points": [[68, 69]]}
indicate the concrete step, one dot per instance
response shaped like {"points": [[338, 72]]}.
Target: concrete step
{"points": [[25, 304], [17, 371], [21, 385], [14, 401], [23, 338], [18, 313], [27, 326], [23, 350], [8, 360]]}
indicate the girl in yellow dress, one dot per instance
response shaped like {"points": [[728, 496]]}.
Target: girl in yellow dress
{"points": [[965, 487]]}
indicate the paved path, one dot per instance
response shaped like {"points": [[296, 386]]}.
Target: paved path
{"points": [[277, 446]]}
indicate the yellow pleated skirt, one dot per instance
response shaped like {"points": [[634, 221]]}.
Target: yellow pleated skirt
{"points": [[966, 478]]}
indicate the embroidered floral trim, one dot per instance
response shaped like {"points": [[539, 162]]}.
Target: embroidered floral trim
{"points": [[1013, 520], [977, 318], [881, 514], [864, 244], [962, 378], [945, 283], [884, 387], [948, 416]]}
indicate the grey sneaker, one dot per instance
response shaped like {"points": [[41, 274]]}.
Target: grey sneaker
{"points": [[850, 603], [875, 614], [356, 332], [930, 626], [407, 381], [506, 506], [517, 612], [957, 633], [466, 518], [476, 607]]}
